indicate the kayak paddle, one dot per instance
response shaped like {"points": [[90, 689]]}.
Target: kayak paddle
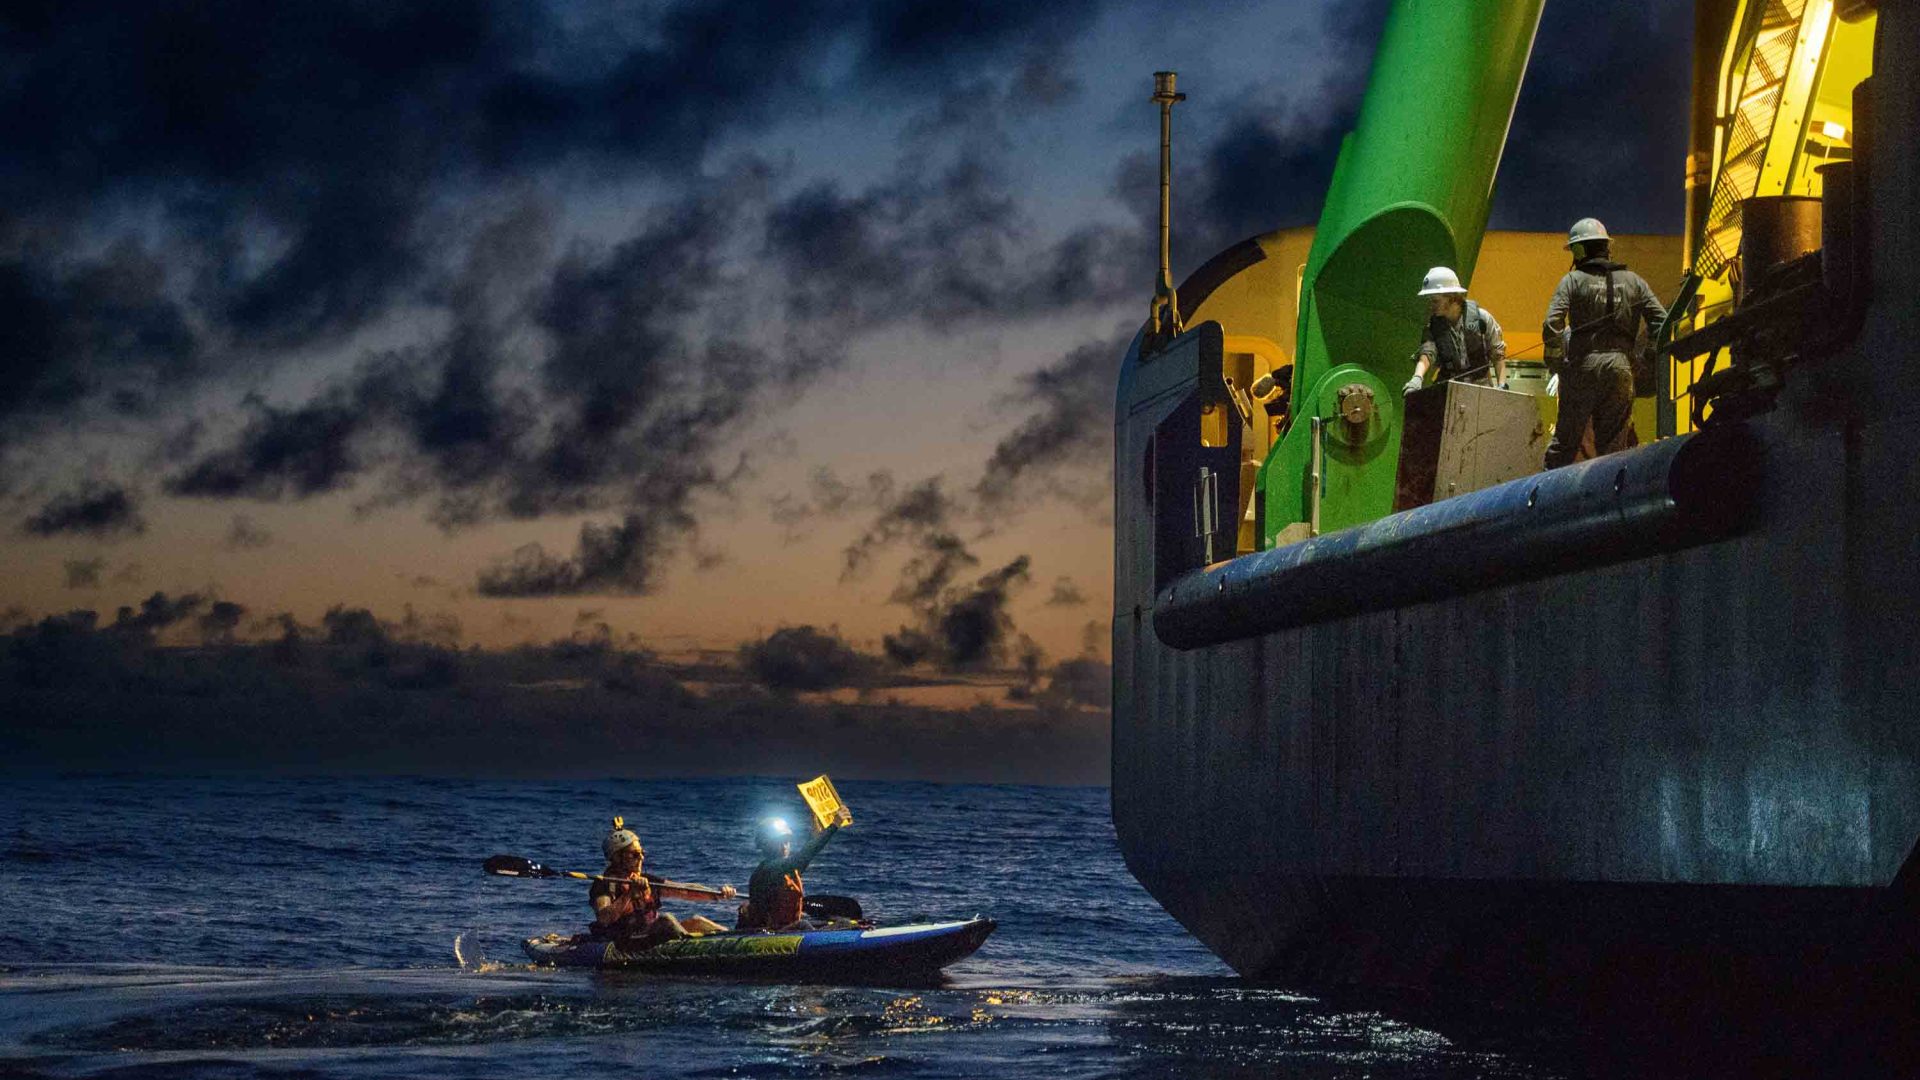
{"points": [[825, 906], [828, 906], [515, 866]]}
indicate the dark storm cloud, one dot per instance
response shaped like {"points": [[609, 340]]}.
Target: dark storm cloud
{"points": [[1042, 81], [1268, 165], [293, 193], [929, 573], [917, 513], [1084, 681], [800, 658], [638, 403], [84, 573], [442, 402], [612, 558], [245, 534], [941, 249], [217, 626], [237, 93], [98, 509], [438, 629], [1601, 126], [833, 496], [956, 626], [630, 404], [1268, 169], [1078, 683], [907, 39], [828, 497], [962, 628], [462, 420], [155, 613], [354, 631], [936, 248], [82, 330], [242, 117], [1068, 424], [643, 397], [308, 148], [294, 452], [1066, 594]]}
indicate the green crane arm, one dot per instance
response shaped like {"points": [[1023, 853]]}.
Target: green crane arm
{"points": [[1411, 190]]}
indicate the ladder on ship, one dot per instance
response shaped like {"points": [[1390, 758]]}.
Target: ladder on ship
{"points": [[1766, 99], [1767, 141]]}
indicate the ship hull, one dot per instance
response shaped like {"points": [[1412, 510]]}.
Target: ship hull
{"points": [[1674, 796], [1695, 772]]}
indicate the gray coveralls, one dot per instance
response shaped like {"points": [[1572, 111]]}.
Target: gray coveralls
{"points": [[1596, 381]]}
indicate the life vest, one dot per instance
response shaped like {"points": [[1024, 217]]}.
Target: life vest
{"points": [[788, 901], [775, 900], [1598, 310], [1472, 334], [634, 922]]}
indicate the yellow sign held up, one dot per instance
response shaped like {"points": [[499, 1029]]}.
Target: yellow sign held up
{"points": [[825, 802]]}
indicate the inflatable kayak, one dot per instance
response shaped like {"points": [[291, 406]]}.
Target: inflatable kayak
{"points": [[889, 952]]}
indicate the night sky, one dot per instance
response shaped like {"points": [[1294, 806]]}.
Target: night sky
{"points": [[666, 326]]}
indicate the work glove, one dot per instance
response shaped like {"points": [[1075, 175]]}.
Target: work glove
{"points": [[1415, 383]]}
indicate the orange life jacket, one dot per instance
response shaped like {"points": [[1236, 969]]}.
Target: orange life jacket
{"points": [[774, 900], [646, 906], [787, 903]]}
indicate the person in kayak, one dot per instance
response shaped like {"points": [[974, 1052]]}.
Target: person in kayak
{"points": [[776, 897], [628, 909]]}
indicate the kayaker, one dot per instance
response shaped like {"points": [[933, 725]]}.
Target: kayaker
{"points": [[776, 897], [629, 909]]}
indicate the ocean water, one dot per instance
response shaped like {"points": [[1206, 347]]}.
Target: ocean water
{"points": [[247, 927]]}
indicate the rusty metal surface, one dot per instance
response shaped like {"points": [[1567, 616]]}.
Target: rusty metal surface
{"points": [[1462, 437]]}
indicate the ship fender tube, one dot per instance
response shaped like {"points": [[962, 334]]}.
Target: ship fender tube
{"points": [[1675, 493]]}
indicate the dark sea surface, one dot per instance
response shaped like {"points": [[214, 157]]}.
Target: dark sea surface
{"points": [[234, 927]]}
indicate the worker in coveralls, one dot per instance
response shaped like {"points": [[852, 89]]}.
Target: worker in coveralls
{"points": [[1596, 313], [1462, 339]]}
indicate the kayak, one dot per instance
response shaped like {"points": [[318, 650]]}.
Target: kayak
{"points": [[889, 952]]}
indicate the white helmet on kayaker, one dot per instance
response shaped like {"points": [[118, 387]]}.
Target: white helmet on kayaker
{"points": [[1584, 230], [772, 833], [1441, 279], [619, 840]]}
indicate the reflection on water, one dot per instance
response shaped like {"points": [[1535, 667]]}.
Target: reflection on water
{"points": [[341, 929], [98, 1022]]}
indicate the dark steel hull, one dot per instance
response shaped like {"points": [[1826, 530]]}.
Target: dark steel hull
{"points": [[1696, 769]]}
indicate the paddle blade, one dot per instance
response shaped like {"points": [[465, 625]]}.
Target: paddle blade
{"points": [[827, 906], [515, 866]]}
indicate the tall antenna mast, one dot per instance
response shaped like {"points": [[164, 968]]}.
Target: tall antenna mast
{"points": [[1166, 306]]}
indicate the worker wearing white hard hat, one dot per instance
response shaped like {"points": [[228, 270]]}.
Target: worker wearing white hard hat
{"points": [[1595, 322], [1462, 339]]}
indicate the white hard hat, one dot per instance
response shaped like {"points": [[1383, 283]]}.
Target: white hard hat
{"points": [[1584, 230], [1441, 279], [618, 840]]}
